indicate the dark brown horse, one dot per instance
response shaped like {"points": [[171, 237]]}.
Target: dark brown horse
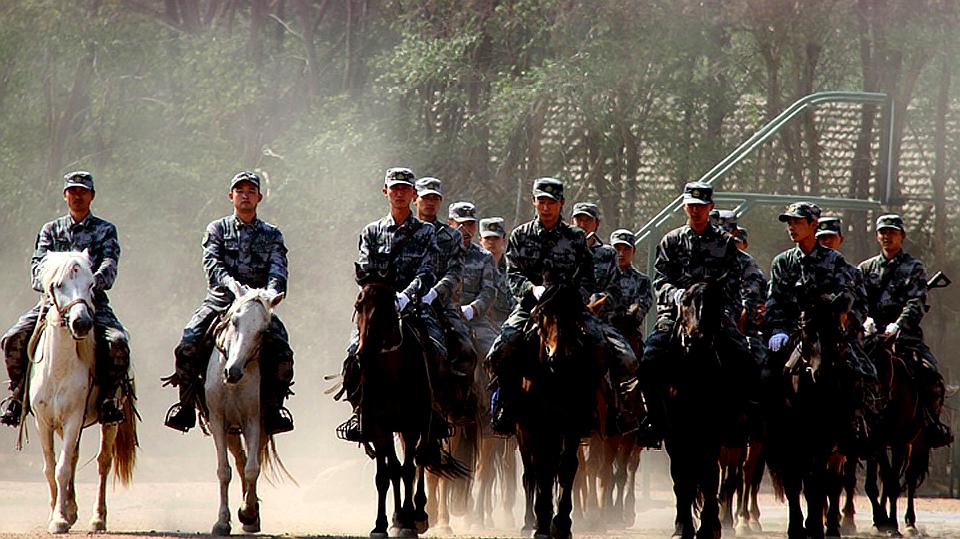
{"points": [[397, 398], [805, 428], [561, 378]]}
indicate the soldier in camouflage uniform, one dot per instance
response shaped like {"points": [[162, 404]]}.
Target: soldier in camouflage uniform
{"points": [[448, 268], [479, 290], [806, 272], [628, 306], [586, 216], [696, 252], [401, 246], [896, 286], [76, 231], [243, 249], [545, 241], [753, 289], [493, 238]]}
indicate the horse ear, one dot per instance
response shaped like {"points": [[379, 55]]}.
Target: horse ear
{"points": [[275, 299], [235, 288], [86, 254]]}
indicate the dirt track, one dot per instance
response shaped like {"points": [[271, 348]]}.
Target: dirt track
{"points": [[336, 503]]}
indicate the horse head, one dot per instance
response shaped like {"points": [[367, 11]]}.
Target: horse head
{"points": [[378, 322], [559, 320], [823, 331], [700, 311], [68, 281], [240, 333]]}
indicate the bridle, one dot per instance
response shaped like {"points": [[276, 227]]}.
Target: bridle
{"points": [[62, 311], [386, 286]]}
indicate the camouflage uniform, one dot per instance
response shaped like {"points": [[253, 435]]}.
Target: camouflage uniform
{"points": [[448, 267], [479, 290], [99, 237], [253, 255], [753, 295], [505, 302]]}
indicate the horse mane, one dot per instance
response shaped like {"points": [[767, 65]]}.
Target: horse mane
{"points": [[57, 266]]}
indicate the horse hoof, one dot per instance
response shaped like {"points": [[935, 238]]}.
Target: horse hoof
{"points": [[833, 533], [98, 525], [541, 535], [911, 531], [250, 516], [442, 531], [407, 533], [252, 528], [422, 525], [755, 526], [58, 526], [742, 529], [221, 529], [378, 534]]}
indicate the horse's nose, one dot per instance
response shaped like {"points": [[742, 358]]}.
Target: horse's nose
{"points": [[232, 375], [81, 325]]}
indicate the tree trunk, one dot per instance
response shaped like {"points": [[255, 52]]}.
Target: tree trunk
{"points": [[939, 184], [64, 123]]}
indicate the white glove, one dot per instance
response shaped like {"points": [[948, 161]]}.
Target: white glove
{"points": [[467, 311], [538, 291], [402, 301], [429, 297], [594, 297], [777, 341], [677, 296], [892, 328], [869, 326]]}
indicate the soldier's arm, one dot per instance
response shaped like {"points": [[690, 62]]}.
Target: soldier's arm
{"points": [[667, 273], [915, 295], [488, 287], [43, 244], [587, 279], [753, 291], [449, 281], [213, 253], [859, 308], [781, 305], [517, 266], [106, 274], [644, 299], [424, 276], [277, 275]]}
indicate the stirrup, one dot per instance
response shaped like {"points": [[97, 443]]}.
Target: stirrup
{"points": [[109, 412], [12, 411], [174, 417], [280, 423], [349, 430]]}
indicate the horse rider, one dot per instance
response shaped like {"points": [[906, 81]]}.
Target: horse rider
{"points": [[546, 241], [622, 357], [753, 288], [808, 271], [78, 230], [896, 285], [493, 238], [634, 292], [243, 249], [404, 248], [479, 284], [696, 252], [448, 269]]}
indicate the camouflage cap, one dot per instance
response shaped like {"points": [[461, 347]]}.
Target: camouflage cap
{"points": [[697, 193], [548, 187], [623, 236], [462, 212], [429, 186], [78, 178], [801, 210], [492, 226], [398, 175], [586, 208], [830, 225], [890, 220], [245, 176]]}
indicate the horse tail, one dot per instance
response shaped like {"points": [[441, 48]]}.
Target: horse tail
{"points": [[126, 443], [777, 481], [437, 459], [273, 468], [466, 451]]}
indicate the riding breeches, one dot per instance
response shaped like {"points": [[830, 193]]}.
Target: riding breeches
{"points": [[113, 348], [460, 350]]}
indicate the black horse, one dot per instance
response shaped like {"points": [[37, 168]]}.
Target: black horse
{"points": [[560, 379], [397, 398], [809, 419]]}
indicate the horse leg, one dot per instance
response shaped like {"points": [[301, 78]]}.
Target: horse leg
{"points": [[755, 481], [898, 455], [835, 476], [728, 486], [65, 468], [395, 471], [420, 517], [529, 489], [249, 512], [872, 490], [508, 481], [545, 462], [408, 474], [581, 489], [916, 469], [684, 490], [848, 524], [383, 485], [791, 488], [433, 490], [815, 495], [49, 463], [566, 473], [748, 463], [630, 494], [108, 435], [603, 468], [709, 482], [239, 456], [222, 526]]}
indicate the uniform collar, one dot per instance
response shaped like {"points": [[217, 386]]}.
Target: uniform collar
{"points": [[540, 228], [240, 224], [83, 223], [710, 232], [895, 261], [392, 224]]}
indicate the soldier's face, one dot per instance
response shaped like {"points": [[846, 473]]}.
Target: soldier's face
{"points": [[624, 254], [832, 241], [467, 229], [890, 239], [697, 214], [400, 195], [800, 228], [548, 209], [587, 223], [245, 197], [78, 199], [494, 244], [428, 205]]}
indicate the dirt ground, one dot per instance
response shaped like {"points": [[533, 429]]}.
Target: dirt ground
{"points": [[340, 502]]}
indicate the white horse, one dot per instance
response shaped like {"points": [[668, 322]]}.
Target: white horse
{"points": [[232, 390], [63, 393]]}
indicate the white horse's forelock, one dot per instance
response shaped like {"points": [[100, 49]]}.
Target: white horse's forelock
{"points": [[57, 266]]}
